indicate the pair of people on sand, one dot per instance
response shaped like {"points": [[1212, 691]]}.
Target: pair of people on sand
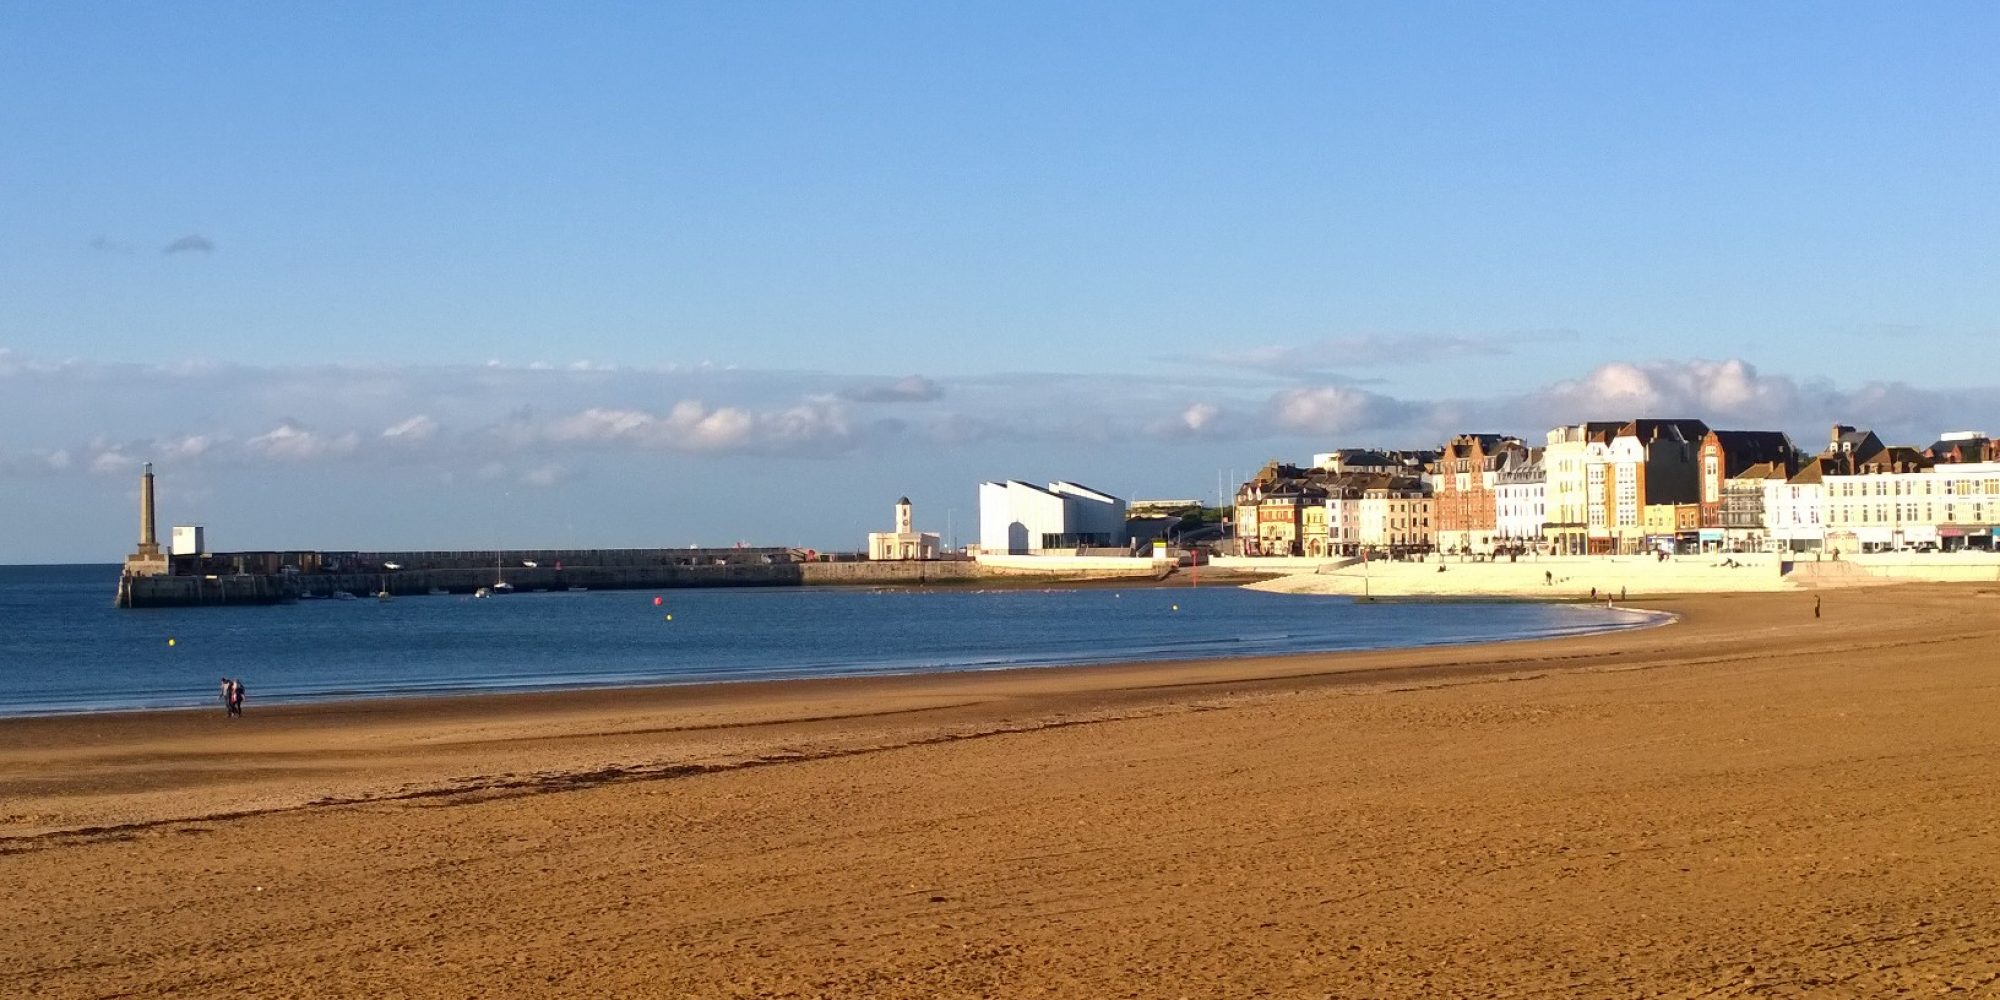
{"points": [[232, 697]]}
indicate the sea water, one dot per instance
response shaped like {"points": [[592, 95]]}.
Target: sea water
{"points": [[64, 648]]}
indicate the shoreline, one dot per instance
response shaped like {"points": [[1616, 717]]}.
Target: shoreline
{"points": [[1649, 619], [963, 702]]}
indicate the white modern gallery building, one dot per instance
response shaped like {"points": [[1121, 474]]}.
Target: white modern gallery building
{"points": [[1020, 518]]}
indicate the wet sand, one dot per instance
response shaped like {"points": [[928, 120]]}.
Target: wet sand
{"points": [[1747, 802]]}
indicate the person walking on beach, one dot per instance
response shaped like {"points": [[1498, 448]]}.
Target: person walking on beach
{"points": [[236, 698], [1815, 607], [228, 705]]}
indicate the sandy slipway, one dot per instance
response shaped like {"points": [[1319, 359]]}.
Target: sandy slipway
{"points": [[1748, 802]]}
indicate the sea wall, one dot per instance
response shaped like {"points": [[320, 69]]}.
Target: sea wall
{"points": [[888, 573], [1934, 567], [1562, 578], [1073, 566], [188, 591], [197, 591], [1280, 564], [1571, 577]]}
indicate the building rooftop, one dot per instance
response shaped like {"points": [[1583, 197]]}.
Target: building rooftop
{"points": [[1651, 429], [1743, 449], [1762, 470]]}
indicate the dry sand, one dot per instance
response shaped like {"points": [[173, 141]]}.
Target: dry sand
{"points": [[1751, 802]]}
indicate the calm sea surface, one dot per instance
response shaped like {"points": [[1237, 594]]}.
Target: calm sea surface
{"points": [[63, 648]]}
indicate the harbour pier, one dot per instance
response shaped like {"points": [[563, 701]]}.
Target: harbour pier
{"points": [[157, 578]]}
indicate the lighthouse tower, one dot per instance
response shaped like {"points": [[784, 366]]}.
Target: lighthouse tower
{"points": [[148, 560]]}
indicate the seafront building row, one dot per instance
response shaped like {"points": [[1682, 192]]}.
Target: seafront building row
{"points": [[1636, 486]]}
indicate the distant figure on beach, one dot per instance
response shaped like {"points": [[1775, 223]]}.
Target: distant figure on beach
{"points": [[228, 706], [236, 698], [1621, 594], [1815, 607], [1549, 577], [1593, 593]]}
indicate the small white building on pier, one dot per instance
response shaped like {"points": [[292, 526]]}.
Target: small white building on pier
{"points": [[906, 542]]}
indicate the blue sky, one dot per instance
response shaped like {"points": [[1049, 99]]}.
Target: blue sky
{"points": [[377, 275]]}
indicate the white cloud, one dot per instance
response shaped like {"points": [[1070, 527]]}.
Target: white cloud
{"points": [[112, 462], [1729, 389], [1205, 421], [185, 448], [693, 426], [293, 442], [13, 364], [415, 430], [1333, 410]]}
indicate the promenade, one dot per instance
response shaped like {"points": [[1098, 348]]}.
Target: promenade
{"points": [[1570, 578]]}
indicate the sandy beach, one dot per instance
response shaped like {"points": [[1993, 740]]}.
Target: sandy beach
{"points": [[1749, 802]]}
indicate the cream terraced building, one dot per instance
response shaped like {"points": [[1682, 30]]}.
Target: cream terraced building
{"points": [[1568, 485], [1793, 508], [1949, 506], [1396, 515]]}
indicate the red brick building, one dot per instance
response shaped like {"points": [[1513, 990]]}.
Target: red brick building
{"points": [[1464, 504]]}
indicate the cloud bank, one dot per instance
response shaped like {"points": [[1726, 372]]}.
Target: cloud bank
{"points": [[908, 389], [540, 424]]}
